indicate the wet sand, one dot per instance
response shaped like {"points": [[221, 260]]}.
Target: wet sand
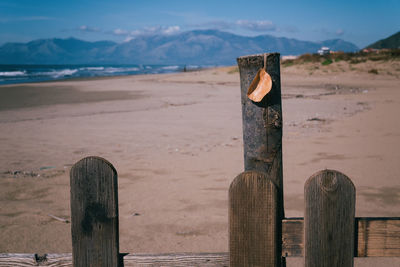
{"points": [[176, 142]]}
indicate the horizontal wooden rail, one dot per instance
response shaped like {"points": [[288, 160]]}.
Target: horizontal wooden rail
{"points": [[378, 237], [134, 260], [375, 237]]}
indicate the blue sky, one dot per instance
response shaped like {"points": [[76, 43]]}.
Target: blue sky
{"points": [[360, 22]]}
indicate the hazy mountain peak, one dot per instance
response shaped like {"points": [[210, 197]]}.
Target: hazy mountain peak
{"points": [[198, 47]]}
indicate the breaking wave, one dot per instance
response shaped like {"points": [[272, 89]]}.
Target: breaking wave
{"points": [[10, 74]]}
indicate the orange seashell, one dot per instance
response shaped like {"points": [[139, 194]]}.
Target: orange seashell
{"points": [[260, 86]]}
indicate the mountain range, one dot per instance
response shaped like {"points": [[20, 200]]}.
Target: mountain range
{"points": [[391, 42], [199, 47]]}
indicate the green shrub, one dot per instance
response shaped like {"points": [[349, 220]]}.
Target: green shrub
{"points": [[327, 61]]}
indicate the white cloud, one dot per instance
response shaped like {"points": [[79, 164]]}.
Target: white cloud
{"points": [[85, 28], [128, 39], [119, 32], [171, 30], [161, 30], [257, 26], [249, 25], [156, 30]]}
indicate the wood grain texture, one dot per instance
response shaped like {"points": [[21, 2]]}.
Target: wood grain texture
{"points": [[262, 121], [27, 260], [374, 237], [329, 220], [292, 237], [179, 260], [130, 260], [254, 221], [378, 237], [94, 213]]}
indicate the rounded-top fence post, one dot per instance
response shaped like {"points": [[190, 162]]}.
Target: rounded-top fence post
{"points": [[329, 220], [94, 213], [254, 221]]}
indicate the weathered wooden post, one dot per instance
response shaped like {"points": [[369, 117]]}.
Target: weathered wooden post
{"points": [[94, 213], [262, 121], [253, 221], [256, 196], [329, 220]]}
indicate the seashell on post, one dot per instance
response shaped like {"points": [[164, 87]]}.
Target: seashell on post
{"points": [[262, 121], [260, 86]]}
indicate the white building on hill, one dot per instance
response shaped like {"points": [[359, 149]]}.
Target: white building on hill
{"points": [[324, 51]]}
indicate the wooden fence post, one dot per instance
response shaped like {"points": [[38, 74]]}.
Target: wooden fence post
{"points": [[329, 220], [94, 213], [254, 238], [262, 121], [262, 126]]}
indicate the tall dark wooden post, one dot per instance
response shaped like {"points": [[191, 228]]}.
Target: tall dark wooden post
{"points": [[262, 122]]}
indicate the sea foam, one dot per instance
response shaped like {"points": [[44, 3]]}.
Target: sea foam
{"points": [[12, 73]]}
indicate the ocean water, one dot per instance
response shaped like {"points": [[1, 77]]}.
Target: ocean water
{"points": [[13, 74]]}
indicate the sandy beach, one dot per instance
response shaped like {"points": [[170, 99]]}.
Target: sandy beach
{"points": [[176, 142]]}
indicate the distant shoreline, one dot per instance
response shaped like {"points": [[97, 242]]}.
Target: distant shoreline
{"points": [[21, 74]]}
